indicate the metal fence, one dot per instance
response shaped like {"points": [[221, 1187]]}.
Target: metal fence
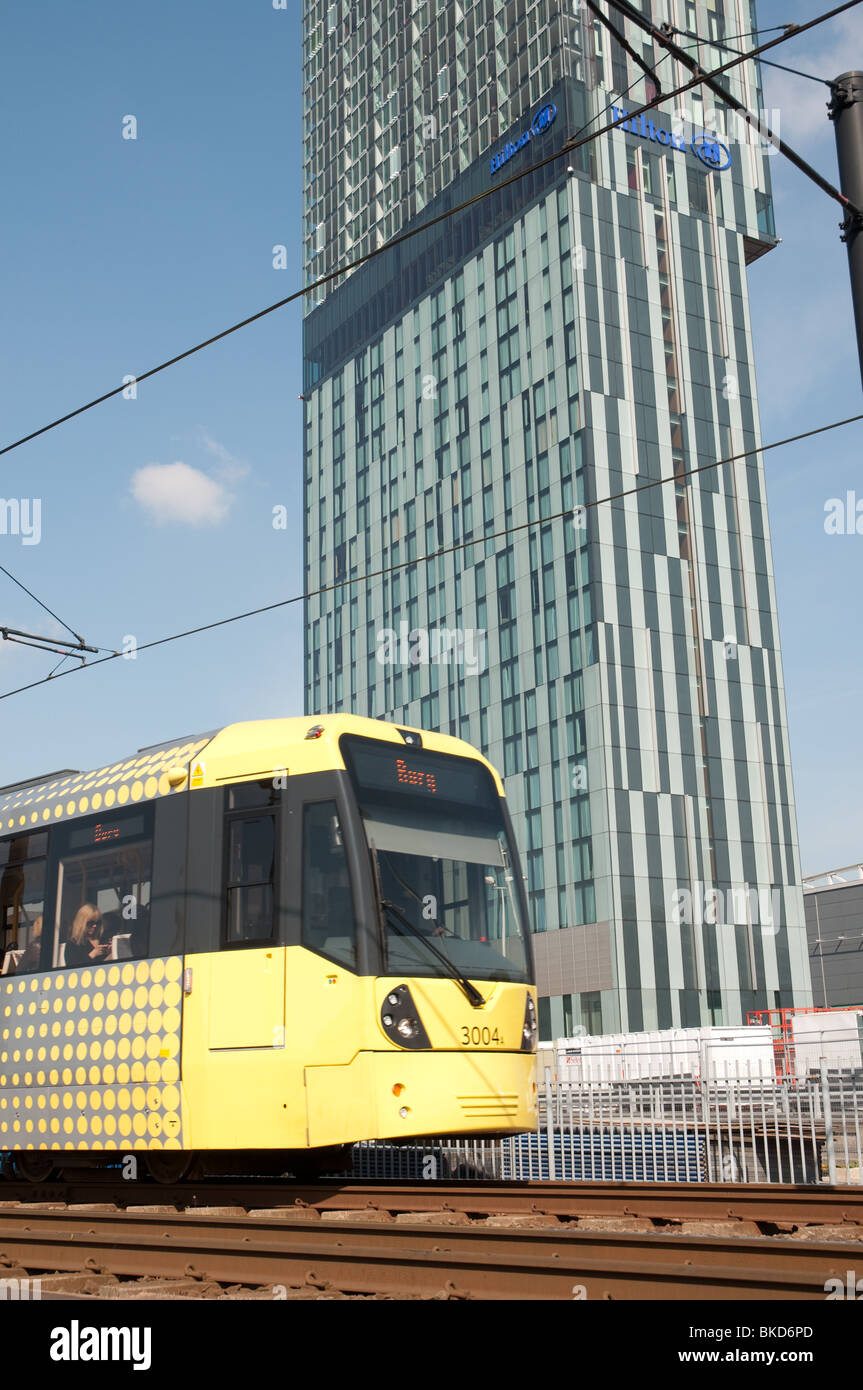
{"points": [[663, 1130]]}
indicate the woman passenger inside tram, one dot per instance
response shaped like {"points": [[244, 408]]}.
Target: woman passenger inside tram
{"points": [[85, 939]]}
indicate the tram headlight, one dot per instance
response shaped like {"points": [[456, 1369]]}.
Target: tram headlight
{"points": [[401, 1021], [528, 1032]]}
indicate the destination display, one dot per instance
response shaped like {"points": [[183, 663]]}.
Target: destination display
{"points": [[107, 831], [384, 769]]}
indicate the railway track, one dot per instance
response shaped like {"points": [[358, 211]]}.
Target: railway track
{"points": [[775, 1209], [487, 1241]]}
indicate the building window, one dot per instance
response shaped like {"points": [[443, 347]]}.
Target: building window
{"points": [[567, 1015], [591, 1011], [632, 169], [697, 190], [764, 210], [545, 1020]]}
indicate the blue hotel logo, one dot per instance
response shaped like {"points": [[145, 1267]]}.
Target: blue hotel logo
{"points": [[710, 151], [538, 126], [543, 119]]}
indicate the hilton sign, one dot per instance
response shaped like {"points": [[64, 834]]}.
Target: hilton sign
{"points": [[538, 126], [710, 151]]}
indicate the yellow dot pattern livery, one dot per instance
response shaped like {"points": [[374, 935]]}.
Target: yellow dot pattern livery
{"points": [[91, 1058], [136, 779]]}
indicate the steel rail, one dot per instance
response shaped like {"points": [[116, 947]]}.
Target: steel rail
{"points": [[365, 1256], [760, 1202]]}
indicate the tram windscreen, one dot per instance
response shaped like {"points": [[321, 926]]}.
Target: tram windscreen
{"points": [[444, 861]]}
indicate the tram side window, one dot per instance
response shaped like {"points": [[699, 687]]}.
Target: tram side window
{"points": [[251, 862], [22, 901], [103, 905], [329, 923]]}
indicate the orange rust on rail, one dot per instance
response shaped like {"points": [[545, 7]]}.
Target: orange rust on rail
{"points": [[424, 1259]]}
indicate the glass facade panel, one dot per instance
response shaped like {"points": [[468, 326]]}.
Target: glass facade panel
{"points": [[556, 344]]}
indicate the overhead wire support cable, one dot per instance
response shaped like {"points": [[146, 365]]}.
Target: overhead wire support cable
{"points": [[569, 147], [49, 611], [749, 33], [671, 30], [630, 12], [445, 550], [54, 645]]}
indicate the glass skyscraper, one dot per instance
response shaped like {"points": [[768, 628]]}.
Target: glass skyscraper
{"points": [[475, 393]]}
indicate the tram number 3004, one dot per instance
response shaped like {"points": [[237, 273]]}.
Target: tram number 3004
{"points": [[476, 1037]]}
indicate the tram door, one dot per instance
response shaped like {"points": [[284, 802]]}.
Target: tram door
{"points": [[247, 987], [242, 1083]]}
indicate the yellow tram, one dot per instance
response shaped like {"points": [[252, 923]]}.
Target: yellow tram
{"points": [[281, 937]]}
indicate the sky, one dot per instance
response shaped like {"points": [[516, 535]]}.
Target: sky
{"points": [[116, 253]]}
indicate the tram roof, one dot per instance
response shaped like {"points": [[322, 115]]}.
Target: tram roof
{"points": [[237, 752]]}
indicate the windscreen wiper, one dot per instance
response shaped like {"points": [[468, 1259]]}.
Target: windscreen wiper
{"points": [[473, 995], [470, 990]]}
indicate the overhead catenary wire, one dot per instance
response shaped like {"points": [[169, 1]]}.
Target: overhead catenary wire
{"points": [[618, 97], [671, 29], [624, 43], [749, 33], [19, 638], [569, 147], [665, 57], [624, 7], [349, 582]]}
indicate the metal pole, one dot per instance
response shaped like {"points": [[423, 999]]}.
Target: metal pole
{"points": [[828, 1126], [846, 112], [820, 952], [549, 1125]]}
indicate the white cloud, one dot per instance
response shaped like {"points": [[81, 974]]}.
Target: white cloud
{"points": [[175, 492]]}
